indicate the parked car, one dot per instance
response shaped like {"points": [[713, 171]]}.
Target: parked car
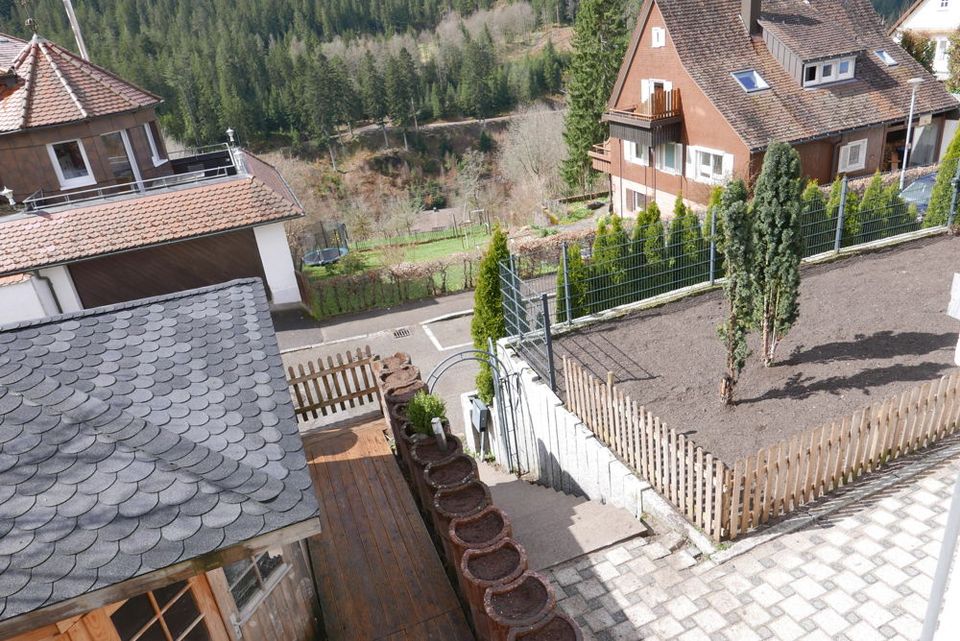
{"points": [[919, 191]]}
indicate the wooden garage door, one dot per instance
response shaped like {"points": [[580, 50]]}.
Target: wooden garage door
{"points": [[167, 269]]}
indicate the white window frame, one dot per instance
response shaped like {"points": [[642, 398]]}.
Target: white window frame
{"points": [[835, 74], [944, 4], [843, 163], [658, 37], [677, 158], [693, 165], [132, 157], [632, 153], [884, 56], [758, 80], [154, 149], [71, 183], [646, 87]]}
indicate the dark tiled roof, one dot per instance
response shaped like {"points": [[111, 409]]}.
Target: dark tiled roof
{"points": [[712, 42], [58, 87], [137, 436], [142, 221]]}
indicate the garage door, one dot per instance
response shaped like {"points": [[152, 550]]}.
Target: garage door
{"points": [[167, 269]]}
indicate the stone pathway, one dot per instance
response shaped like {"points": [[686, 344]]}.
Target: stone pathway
{"points": [[859, 574]]}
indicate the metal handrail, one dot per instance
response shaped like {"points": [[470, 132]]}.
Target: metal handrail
{"points": [[40, 201], [198, 151]]}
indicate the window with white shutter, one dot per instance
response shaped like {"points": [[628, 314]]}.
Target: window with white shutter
{"points": [[853, 156], [659, 37]]}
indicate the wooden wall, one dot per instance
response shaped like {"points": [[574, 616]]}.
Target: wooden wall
{"points": [[168, 268], [290, 612]]}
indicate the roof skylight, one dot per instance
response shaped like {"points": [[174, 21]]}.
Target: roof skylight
{"points": [[750, 80], [885, 57]]}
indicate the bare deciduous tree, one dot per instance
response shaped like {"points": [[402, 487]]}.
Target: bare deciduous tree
{"points": [[531, 155]]}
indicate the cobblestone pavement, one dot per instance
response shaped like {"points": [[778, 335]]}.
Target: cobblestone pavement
{"points": [[862, 573]]}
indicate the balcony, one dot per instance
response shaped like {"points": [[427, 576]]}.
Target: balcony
{"points": [[600, 157], [191, 167], [651, 123]]}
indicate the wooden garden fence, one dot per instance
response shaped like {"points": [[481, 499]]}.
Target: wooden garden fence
{"points": [[347, 381], [725, 502]]}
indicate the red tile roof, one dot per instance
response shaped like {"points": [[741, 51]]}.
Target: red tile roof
{"points": [[49, 238], [57, 87]]}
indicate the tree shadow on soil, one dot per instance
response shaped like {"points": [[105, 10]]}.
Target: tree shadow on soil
{"points": [[799, 387], [881, 345], [598, 355]]}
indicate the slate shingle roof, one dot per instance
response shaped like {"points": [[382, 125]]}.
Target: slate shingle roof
{"points": [[118, 225], [58, 87], [140, 435], [712, 43]]}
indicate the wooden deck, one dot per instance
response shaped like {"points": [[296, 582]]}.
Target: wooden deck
{"points": [[378, 574]]}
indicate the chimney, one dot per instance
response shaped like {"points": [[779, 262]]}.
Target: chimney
{"points": [[750, 13]]}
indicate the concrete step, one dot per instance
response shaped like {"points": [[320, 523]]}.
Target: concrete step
{"points": [[555, 527]]}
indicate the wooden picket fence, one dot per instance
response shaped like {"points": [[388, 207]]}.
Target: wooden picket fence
{"points": [[319, 390], [725, 502]]}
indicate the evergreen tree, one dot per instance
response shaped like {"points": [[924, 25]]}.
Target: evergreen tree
{"points": [[920, 47], [938, 212], [577, 271], [777, 246], [818, 232], [488, 321], [873, 212], [649, 244], [953, 62], [601, 267], [598, 45], [685, 246], [372, 95], [399, 96], [738, 255]]}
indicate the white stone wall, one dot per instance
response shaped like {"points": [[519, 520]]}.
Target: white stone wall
{"points": [[277, 264], [26, 300], [555, 449]]}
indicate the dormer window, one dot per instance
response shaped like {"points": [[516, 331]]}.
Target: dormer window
{"points": [[827, 71], [885, 57], [750, 80], [70, 161]]}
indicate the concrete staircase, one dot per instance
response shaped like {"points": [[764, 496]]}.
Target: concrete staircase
{"points": [[555, 527]]}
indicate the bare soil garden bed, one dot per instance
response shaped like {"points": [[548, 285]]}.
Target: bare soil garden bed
{"points": [[871, 326]]}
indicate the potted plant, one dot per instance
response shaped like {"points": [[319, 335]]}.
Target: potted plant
{"points": [[424, 447]]}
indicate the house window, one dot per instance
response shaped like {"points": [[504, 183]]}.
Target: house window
{"points": [[944, 4], [635, 201], [750, 80], [153, 136], [670, 157], [885, 57], [708, 165], [632, 152], [252, 579], [853, 156], [659, 37], [71, 164], [942, 45], [120, 165], [167, 614], [819, 73]]}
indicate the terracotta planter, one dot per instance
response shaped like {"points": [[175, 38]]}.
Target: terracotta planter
{"points": [[520, 604], [399, 376], [425, 450], [556, 627], [501, 563], [457, 502], [402, 393], [476, 532], [451, 472], [396, 361]]}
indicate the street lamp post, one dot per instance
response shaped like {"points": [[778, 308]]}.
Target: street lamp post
{"points": [[913, 82]]}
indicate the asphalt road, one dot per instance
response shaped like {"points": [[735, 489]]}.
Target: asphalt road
{"points": [[435, 329]]}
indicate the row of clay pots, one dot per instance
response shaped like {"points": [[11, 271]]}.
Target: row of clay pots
{"points": [[506, 601]]}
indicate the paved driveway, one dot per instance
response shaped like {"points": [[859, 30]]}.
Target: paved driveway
{"points": [[430, 331]]}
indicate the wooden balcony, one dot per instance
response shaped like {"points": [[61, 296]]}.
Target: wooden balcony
{"points": [[600, 157], [654, 121]]}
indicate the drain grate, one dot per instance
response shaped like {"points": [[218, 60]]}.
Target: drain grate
{"points": [[403, 332]]}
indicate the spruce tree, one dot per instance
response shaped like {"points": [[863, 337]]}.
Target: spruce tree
{"points": [[372, 95], [577, 271], [399, 96], [488, 320], [598, 44], [777, 246], [938, 212], [738, 255]]}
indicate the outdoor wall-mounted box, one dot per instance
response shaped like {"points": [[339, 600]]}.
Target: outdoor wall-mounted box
{"points": [[479, 415]]}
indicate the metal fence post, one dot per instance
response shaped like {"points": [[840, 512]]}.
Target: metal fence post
{"points": [[713, 247], [515, 286], [566, 283], [843, 206], [953, 200], [549, 341]]}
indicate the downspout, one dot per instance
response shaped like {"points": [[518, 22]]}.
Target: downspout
{"points": [[50, 288]]}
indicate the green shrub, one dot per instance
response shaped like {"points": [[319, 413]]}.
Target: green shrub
{"points": [[488, 321], [421, 411], [938, 211]]}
